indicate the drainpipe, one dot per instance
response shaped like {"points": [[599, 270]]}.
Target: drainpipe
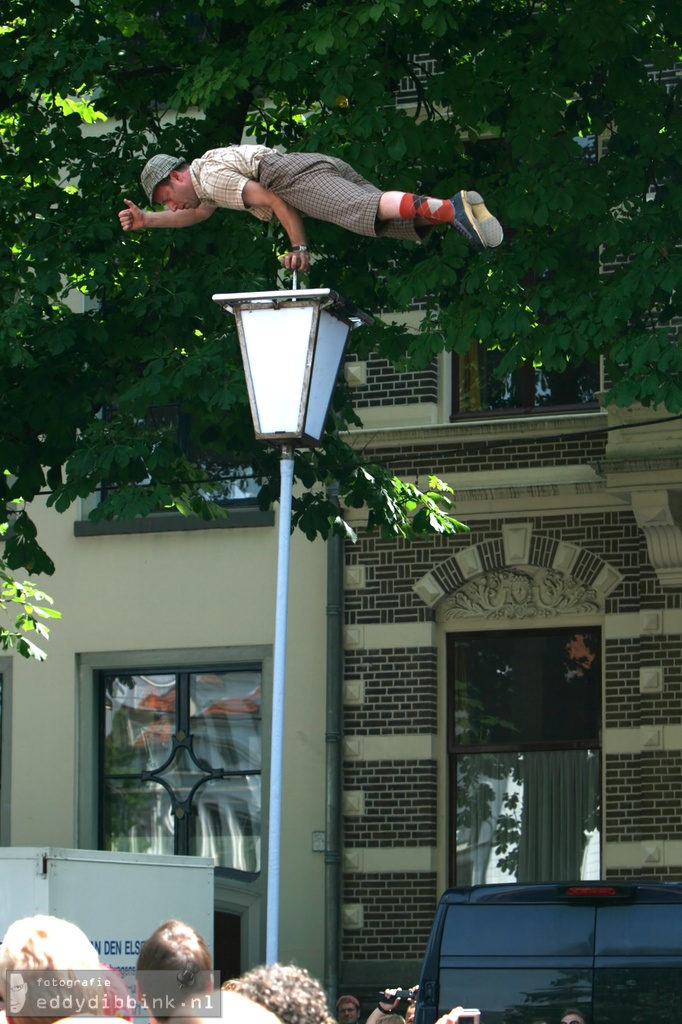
{"points": [[333, 764]]}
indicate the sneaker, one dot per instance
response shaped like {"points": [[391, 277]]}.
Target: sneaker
{"points": [[475, 221]]}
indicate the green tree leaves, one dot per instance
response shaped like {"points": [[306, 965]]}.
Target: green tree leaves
{"points": [[28, 605], [506, 99]]}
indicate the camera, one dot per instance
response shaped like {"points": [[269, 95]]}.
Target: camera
{"points": [[400, 993]]}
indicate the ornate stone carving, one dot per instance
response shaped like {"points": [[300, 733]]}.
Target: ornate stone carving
{"points": [[516, 594]]}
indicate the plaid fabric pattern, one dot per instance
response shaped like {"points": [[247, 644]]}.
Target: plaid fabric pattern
{"points": [[318, 186], [219, 177], [329, 189]]}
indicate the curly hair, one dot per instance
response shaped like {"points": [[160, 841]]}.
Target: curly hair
{"points": [[287, 991]]}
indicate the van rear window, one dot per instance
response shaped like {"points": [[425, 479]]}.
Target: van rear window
{"points": [[542, 996], [518, 930], [640, 930], [519, 995]]}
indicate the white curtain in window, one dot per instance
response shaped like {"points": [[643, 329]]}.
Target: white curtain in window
{"points": [[560, 801]]}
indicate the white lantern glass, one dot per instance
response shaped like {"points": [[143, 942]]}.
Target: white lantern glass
{"points": [[292, 346], [277, 349]]}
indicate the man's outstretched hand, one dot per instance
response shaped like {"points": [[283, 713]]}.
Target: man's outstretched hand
{"points": [[131, 219]]}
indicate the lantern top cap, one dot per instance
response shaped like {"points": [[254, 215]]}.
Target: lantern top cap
{"points": [[326, 298]]}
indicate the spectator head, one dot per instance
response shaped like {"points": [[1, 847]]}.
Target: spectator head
{"points": [[171, 946], [42, 943], [287, 991], [181, 953], [572, 1016], [348, 1010]]}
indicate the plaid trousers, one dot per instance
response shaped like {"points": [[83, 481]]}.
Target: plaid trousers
{"points": [[329, 189]]}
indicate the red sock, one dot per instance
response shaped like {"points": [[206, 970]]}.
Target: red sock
{"points": [[436, 211]]}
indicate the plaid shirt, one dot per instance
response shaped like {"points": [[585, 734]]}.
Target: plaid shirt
{"points": [[219, 177]]}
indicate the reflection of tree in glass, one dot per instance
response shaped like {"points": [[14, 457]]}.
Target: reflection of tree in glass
{"points": [[639, 996], [140, 720], [548, 1002], [483, 684], [508, 829], [120, 757], [475, 795], [128, 814]]}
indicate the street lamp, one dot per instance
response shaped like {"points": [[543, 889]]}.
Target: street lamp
{"points": [[292, 344]]}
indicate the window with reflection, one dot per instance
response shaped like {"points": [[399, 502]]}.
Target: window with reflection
{"points": [[181, 765], [221, 479], [226, 481], [524, 741], [478, 390]]}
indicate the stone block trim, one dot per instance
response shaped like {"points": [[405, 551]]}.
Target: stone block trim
{"points": [[400, 692], [397, 915], [399, 805]]}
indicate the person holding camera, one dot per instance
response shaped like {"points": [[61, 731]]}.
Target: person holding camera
{"points": [[389, 1001]]}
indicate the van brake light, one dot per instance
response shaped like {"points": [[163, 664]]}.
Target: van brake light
{"points": [[596, 892]]}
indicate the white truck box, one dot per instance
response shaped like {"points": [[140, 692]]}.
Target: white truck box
{"points": [[118, 899]]}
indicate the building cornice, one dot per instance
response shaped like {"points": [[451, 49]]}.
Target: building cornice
{"points": [[495, 428]]}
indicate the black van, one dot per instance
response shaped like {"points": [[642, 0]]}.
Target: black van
{"points": [[525, 954]]}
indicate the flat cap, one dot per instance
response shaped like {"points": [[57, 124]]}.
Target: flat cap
{"points": [[156, 169]]}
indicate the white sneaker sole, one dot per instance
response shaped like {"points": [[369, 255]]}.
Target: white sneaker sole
{"points": [[487, 227]]}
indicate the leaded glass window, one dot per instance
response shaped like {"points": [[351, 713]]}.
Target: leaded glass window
{"points": [[181, 764]]}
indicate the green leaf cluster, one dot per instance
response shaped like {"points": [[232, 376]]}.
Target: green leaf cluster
{"points": [[505, 100], [28, 606]]}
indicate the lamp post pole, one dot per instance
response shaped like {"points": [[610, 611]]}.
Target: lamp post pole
{"points": [[278, 685]]}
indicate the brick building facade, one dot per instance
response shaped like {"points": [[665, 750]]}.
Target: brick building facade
{"points": [[575, 524]]}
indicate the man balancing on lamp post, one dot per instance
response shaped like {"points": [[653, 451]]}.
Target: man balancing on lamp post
{"points": [[289, 185]]}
